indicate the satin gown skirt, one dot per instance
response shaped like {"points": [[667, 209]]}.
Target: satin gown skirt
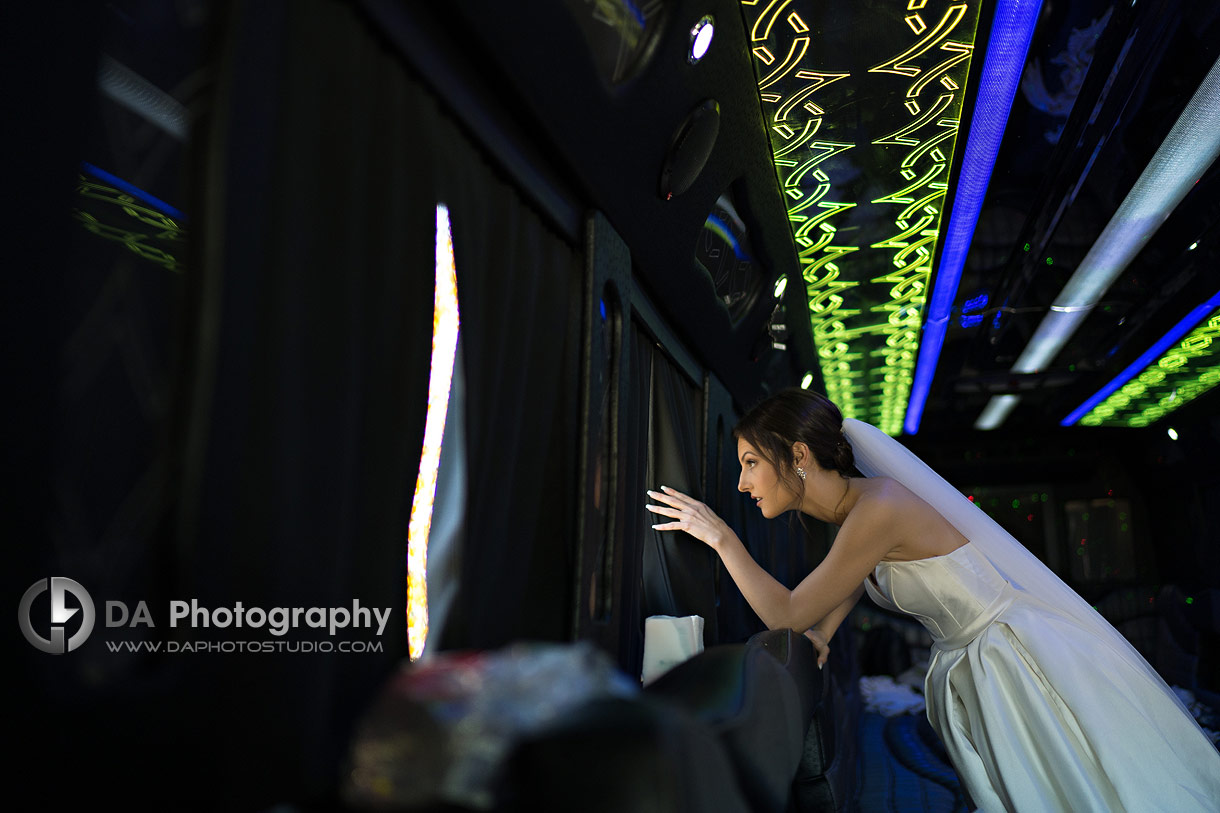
{"points": [[1035, 714]]}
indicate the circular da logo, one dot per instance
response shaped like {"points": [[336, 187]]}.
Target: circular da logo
{"points": [[60, 613]]}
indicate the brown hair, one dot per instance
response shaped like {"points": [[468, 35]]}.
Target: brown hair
{"points": [[792, 415]]}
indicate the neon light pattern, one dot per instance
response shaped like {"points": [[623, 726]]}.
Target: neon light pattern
{"points": [[1182, 373], [445, 325], [849, 117], [137, 237]]}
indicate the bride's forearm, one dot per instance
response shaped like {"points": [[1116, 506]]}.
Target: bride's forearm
{"points": [[769, 599], [834, 618]]}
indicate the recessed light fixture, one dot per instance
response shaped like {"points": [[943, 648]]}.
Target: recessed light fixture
{"points": [[780, 287], [1192, 246], [1173, 433], [700, 38], [806, 381]]}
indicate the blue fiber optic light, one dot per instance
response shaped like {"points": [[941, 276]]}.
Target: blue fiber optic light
{"points": [[975, 303], [1009, 43], [1164, 343], [970, 310], [123, 186]]}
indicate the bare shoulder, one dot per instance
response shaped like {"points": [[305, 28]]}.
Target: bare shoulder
{"points": [[883, 497], [915, 528], [881, 507]]}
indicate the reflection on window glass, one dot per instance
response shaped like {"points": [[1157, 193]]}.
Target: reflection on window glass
{"points": [[113, 209], [120, 274], [618, 33], [444, 346], [723, 249]]}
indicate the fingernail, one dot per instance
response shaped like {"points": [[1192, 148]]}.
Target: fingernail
{"points": [[819, 665]]}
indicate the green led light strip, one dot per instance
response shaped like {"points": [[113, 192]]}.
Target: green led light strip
{"points": [[1182, 373], [864, 170]]}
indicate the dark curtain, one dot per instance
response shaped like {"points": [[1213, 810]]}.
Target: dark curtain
{"points": [[519, 287], [634, 521], [309, 371], [679, 572]]}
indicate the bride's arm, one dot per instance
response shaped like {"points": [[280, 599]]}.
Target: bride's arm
{"points": [[821, 632], [852, 557], [831, 622]]}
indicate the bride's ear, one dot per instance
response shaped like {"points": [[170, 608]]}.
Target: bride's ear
{"points": [[801, 456]]}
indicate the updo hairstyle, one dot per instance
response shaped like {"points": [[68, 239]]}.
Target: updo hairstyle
{"points": [[793, 415]]}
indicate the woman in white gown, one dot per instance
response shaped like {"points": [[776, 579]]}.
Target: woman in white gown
{"points": [[1041, 704]]}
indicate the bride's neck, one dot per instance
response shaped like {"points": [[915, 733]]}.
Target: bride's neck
{"points": [[830, 496]]}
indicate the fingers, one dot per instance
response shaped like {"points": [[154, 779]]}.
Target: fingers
{"points": [[672, 497], [664, 510]]}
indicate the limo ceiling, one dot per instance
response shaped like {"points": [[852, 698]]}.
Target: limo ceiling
{"points": [[944, 214]]}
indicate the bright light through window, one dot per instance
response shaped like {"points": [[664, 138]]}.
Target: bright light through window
{"points": [[444, 347]]}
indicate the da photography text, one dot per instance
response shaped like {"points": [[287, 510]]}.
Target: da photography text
{"points": [[277, 620]]}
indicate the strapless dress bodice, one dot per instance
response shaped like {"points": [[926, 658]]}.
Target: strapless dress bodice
{"points": [[955, 596]]}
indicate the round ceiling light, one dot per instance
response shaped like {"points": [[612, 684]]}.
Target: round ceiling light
{"points": [[700, 39]]}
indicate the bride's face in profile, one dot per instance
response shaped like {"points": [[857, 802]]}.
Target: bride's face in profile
{"points": [[761, 481]]}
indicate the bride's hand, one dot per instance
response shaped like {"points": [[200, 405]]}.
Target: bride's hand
{"points": [[688, 515], [820, 644]]}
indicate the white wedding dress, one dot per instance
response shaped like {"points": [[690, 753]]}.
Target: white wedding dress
{"points": [[1038, 713]]}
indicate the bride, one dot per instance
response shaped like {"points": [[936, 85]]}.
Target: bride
{"points": [[1041, 704]]}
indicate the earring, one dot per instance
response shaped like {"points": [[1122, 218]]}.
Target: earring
{"points": [[800, 472]]}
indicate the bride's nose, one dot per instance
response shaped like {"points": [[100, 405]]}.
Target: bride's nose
{"points": [[741, 482]]}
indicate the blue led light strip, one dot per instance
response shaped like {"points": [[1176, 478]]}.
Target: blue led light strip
{"points": [[1011, 33], [122, 185], [1151, 354]]}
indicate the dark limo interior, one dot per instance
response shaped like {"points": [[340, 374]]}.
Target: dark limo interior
{"points": [[394, 310]]}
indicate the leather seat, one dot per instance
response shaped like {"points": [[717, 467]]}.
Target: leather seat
{"points": [[759, 698]]}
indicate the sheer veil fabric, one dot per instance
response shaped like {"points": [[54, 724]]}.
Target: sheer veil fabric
{"points": [[879, 455]]}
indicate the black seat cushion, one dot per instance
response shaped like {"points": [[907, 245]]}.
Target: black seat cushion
{"points": [[619, 754], [749, 698]]}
